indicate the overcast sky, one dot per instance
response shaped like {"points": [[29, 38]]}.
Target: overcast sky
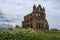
{"points": [[15, 10]]}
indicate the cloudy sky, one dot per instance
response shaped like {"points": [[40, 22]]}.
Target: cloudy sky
{"points": [[14, 11]]}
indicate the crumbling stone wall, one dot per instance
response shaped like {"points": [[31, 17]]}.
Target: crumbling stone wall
{"points": [[36, 19]]}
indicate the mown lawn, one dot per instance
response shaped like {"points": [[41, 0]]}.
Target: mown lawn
{"points": [[27, 34]]}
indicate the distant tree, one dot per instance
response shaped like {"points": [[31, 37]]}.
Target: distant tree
{"points": [[10, 29], [17, 26], [54, 30]]}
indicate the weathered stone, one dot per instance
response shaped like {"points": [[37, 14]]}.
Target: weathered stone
{"points": [[36, 19]]}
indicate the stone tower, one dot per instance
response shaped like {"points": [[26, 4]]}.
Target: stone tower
{"points": [[36, 19]]}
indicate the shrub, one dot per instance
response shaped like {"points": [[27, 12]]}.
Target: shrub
{"points": [[27, 34]]}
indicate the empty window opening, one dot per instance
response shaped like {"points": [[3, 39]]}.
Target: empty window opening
{"points": [[27, 25], [31, 26], [37, 25]]}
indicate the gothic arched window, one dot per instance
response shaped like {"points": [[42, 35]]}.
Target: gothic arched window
{"points": [[36, 14], [39, 25], [39, 14], [27, 25], [31, 26], [39, 9]]}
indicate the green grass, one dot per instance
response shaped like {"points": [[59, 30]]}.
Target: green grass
{"points": [[27, 34]]}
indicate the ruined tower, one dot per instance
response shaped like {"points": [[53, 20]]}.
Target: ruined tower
{"points": [[36, 19]]}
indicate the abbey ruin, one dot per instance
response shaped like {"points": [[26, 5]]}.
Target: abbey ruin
{"points": [[36, 19]]}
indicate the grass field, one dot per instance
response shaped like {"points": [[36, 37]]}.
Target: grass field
{"points": [[27, 34]]}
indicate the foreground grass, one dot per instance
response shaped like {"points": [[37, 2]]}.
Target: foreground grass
{"points": [[27, 34]]}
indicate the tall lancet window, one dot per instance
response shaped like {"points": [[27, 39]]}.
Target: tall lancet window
{"points": [[36, 14], [39, 9], [39, 14]]}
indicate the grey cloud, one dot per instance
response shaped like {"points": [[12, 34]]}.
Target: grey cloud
{"points": [[11, 8]]}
